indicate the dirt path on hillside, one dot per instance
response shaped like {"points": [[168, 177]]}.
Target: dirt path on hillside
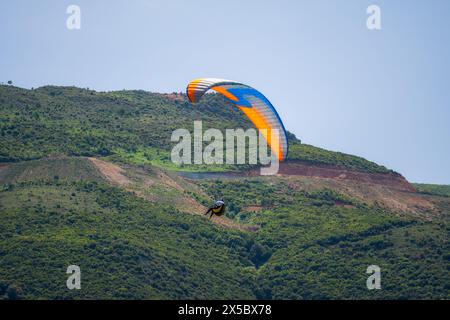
{"points": [[142, 184], [112, 172], [399, 201], [391, 180], [388, 190]]}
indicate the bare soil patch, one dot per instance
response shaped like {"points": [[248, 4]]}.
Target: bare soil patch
{"points": [[113, 173]]}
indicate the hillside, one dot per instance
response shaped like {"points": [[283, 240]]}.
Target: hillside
{"points": [[433, 189], [129, 126], [85, 179], [311, 241]]}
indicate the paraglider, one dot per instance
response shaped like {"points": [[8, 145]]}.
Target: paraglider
{"points": [[218, 208], [252, 103]]}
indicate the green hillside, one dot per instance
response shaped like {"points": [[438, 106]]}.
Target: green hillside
{"points": [[70, 169], [126, 247], [311, 245], [433, 189], [128, 126], [322, 241], [135, 227]]}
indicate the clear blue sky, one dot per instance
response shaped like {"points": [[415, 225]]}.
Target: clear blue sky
{"points": [[383, 95]]}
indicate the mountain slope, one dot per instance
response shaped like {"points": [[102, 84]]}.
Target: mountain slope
{"points": [[315, 237], [125, 246], [86, 179], [130, 126]]}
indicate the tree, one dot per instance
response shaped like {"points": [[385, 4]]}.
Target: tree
{"points": [[259, 254], [9, 82]]}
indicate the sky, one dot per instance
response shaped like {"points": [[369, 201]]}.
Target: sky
{"points": [[380, 94]]}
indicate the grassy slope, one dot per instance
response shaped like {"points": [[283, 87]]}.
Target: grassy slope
{"points": [[129, 126], [433, 189], [52, 168], [321, 250], [307, 247], [125, 246], [315, 155]]}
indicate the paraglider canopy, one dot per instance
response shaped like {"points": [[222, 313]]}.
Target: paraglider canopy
{"points": [[254, 105]]}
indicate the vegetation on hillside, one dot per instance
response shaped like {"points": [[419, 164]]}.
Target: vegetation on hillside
{"points": [[61, 168], [315, 155], [128, 126], [125, 246], [433, 189], [321, 243], [312, 243]]}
